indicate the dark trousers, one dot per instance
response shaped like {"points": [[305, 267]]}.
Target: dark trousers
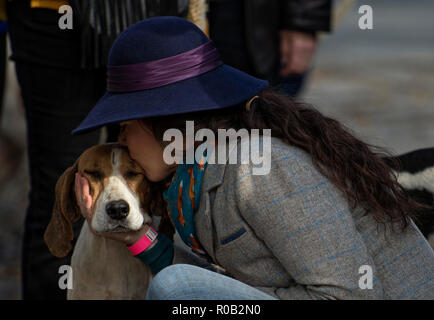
{"points": [[57, 96]]}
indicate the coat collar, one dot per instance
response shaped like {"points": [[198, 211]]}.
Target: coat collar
{"points": [[213, 178], [215, 171]]}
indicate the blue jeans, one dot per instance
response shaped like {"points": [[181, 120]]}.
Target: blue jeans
{"points": [[188, 282]]}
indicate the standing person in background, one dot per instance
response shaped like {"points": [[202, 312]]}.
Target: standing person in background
{"points": [[270, 39], [61, 74]]}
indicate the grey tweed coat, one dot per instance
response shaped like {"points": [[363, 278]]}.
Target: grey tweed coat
{"points": [[291, 234]]}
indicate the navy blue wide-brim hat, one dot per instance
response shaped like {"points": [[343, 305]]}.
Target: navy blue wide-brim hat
{"points": [[165, 66]]}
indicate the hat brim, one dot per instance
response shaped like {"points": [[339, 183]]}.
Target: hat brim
{"points": [[219, 88]]}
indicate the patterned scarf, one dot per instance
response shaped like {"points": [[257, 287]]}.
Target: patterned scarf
{"points": [[182, 198]]}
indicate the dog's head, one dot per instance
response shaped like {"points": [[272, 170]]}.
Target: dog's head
{"points": [[122, 197]]}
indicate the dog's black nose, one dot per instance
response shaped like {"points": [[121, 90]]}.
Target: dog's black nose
{"points": [[118, 209]]}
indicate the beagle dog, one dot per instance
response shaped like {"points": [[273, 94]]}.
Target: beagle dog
{"points": [[122, 200]]}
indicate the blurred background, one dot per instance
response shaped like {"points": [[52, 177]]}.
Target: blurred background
{"points": [[379, 82]]}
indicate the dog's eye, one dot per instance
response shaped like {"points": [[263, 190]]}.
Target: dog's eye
{"points": [[131, 174], [94, 174]]}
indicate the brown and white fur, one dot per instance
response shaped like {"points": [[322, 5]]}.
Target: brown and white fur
{"points": [[104, 268]]}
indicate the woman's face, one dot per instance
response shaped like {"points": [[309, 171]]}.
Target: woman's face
{"points": [[145, 149]]}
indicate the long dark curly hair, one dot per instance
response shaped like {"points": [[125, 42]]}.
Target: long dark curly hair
{"points": [[356, 168]]}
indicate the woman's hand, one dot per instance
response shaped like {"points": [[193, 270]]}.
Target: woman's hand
{"points": [[82, 196], [296, 51], [84, 201]]}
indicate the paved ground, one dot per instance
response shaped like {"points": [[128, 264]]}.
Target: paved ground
{"points": [[379, 82]]}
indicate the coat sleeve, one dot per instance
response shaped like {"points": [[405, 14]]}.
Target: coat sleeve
{"points": [[307, 225], [306, 15]]}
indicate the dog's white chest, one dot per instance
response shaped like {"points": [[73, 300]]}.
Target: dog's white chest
{"points": [[105, 269]]}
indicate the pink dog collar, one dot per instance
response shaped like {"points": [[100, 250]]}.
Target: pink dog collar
{"points": [[144, 242]]}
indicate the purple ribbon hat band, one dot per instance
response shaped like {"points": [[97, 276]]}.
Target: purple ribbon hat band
{"points": [[164, 66], [157, 73]]}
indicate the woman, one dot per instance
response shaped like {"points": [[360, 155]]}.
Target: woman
{"points": [[328, 221]]}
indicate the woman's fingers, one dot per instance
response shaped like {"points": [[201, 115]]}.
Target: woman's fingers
{"points": [[86, 193], [82, 194], [296, 50], [77, 189], [84, 199]]}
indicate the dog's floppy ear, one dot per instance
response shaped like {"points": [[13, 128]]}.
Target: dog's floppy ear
{"points": [[153, 202], [159, 208], [59, 233]]}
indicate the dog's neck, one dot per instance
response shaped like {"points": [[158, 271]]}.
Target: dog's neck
{"points": [[106, 269], [98, 248]]}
